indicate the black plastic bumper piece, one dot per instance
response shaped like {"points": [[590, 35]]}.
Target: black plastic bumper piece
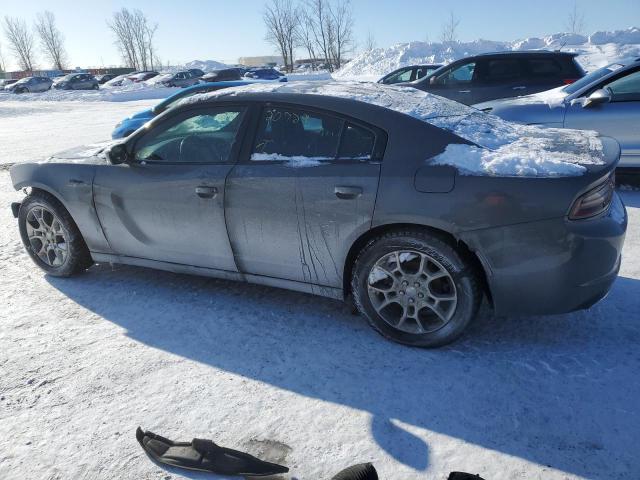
{"points": [[15, 208], [205, 456]]}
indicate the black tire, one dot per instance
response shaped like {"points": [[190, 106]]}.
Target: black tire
{"points": [[78, 257], [461, 273]]}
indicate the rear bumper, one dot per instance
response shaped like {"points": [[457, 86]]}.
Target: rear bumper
{"points": [[553, 266]]}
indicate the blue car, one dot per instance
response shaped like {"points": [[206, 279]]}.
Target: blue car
{"points": [[265, 74], [130, 124]]}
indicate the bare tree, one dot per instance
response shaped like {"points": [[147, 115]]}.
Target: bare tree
{"points": [[305, 38], [450, 29], [134, 36], [370, 42], [21, 42], [51, 39], [575, 19], [281, 18], [317, 11], [3, 63], [340, 29]]}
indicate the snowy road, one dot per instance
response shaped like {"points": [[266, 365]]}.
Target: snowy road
{"points": [[292, 377]]}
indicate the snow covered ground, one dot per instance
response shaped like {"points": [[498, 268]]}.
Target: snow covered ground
{"points": [[596, 50], [291, 377]]}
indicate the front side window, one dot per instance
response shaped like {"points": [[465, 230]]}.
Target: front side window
{"points": [[286, 133], [203, 137], [625, 89], [458, 75]]}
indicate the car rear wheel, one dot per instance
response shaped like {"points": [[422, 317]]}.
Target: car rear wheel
{"points": [[415, 288], [51, 237]]}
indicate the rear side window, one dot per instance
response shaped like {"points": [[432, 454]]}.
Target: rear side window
{"points": [[499, 70], [289, 133], [544, 68], [357, 143]]}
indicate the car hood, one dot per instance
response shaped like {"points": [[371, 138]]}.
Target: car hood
{"points": [[86, 154]]}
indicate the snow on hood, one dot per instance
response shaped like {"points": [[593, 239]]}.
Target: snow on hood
{"points": [[89, 154], [509, 149], [553, 98]]}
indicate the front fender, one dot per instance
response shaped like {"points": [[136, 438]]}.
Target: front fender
{"points": [[72, 186]]}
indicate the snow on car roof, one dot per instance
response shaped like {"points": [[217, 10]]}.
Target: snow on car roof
{"points": [[509, 149]]}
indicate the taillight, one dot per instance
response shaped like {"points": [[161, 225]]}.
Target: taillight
{"points": [[569, 81], [595, 201]]}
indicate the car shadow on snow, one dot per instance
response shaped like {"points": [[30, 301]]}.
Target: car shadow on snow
{"points": [[559, 391]]}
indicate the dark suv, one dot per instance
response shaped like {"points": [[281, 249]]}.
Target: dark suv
{"points": [[501, 75]]}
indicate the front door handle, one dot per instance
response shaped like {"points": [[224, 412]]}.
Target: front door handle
{"points": [[347, 193], [521, 87], [464, 91], [206, 192]]}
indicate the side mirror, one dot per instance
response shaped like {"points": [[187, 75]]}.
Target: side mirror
{"points": [[598, 97], [433, 80], [117, 154]]}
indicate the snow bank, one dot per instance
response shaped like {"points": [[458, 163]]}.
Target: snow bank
{"points": [[204, 65], [509, 149], [596, 50]]}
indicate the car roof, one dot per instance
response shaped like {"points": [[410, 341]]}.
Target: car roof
{"points": [[525, 53]]}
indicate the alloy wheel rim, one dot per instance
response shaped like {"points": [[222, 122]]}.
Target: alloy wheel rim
{"points": [[412, 291], [47, 236]]}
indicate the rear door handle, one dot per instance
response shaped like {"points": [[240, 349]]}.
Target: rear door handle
{"points": [[521, 87], [347, 193], [206, 192], [464, 91]]}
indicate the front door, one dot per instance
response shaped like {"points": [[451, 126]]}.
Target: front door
{"points": [[618, 119], [167, 203], [305, 192]]}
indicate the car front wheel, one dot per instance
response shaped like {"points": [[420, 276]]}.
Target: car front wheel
{"points": [[415, 288], [51, 237]]}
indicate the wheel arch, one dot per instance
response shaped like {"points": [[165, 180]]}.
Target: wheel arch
{"points": [[467, 253]]}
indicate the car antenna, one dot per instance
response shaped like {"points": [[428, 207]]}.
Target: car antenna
{"points": [[561, 46]]}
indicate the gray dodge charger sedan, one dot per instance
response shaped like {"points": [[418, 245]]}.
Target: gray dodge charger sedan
{"points": [[414, 206]]}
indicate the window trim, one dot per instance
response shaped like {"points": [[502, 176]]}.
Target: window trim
{"points": [[379, 145], [189, 112]]}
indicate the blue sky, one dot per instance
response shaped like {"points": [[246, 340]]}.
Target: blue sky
{"points": [[226, 30]]}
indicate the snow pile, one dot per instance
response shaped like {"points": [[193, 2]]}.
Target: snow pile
{"points": [[596, 50], [295, 161], [205, 65], [509, 149]]}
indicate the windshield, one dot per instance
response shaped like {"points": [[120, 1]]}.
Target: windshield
{"points": [[592, 77], [66, 78], [24, 80]]}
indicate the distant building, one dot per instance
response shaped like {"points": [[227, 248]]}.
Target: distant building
{"points": [[260, 61]]}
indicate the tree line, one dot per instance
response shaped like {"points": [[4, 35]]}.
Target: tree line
{"points": [[133, 33], [322, 28]]}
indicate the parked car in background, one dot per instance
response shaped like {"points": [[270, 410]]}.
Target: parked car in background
{"points": [[117, 81], [502, 75], [77, 81], [226, 74], [177, 79], [30, 85], [104, 78], [130, 124], [196, 72], [265, 74], [208, 188], [138, 77], [6, 82], [409, 74], [607, 101]]}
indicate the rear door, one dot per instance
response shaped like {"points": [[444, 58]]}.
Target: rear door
{"points": [[500, 77], [618, 119], [305, 191], [167, 204]]}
